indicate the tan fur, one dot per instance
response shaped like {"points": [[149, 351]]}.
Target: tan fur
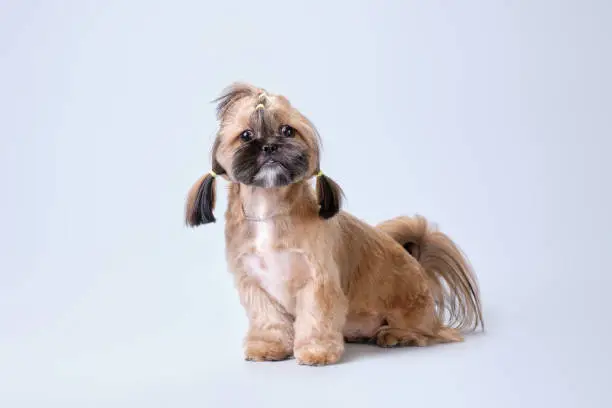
{"points": [[308, 284]]}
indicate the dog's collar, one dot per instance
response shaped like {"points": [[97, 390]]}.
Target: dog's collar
{"points": [[260, 219]]}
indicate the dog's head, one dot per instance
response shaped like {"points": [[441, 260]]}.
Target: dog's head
{"points": [[262, 141]]}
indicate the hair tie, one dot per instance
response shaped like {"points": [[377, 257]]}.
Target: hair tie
{"points": [[260, 106], [212, 173], [319, 174]]}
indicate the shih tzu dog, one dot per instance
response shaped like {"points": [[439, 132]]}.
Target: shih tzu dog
{"points": [[309, 275]]}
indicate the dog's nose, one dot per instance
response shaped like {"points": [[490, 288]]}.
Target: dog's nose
{"points": [[269, 148]]}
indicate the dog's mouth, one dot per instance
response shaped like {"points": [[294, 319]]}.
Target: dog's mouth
{"points": [[272, 162], [272, 173], [269, 171]]}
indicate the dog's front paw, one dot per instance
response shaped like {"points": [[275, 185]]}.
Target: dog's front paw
{"points": [[318, 352], [264, 350]]}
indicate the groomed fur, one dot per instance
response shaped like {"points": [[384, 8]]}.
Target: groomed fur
{"points": [[452, 280], [309, 275], [329, 196], [201, 202]]}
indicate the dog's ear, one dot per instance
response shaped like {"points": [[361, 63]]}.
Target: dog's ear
{"points": [[201, 202], [329, 195]]}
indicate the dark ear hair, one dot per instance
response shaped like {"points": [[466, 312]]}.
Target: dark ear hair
{"points": [[329, 195], [201, 202]]}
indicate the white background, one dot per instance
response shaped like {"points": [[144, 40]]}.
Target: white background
{"points": [[491, 118]]}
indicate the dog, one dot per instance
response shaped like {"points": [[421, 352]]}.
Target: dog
{"points": [[310, 276]]}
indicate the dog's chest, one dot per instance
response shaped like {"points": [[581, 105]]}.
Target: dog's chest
{"points": [[280, 272]]}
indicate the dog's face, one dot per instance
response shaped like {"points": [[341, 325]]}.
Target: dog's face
{"points": [[269, 153], [263, 141]]}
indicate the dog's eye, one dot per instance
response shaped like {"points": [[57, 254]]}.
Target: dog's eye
{"points": [[246, 136], [287, 131]]}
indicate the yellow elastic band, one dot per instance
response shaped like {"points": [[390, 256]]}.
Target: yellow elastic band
{"points": [[260, 106], [213, 174], [320, 173]]}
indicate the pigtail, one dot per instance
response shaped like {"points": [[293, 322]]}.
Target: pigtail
{"points": [[329, 196], [201, 201]]}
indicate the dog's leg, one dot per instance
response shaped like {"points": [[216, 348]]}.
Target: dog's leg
{"points": [[270, 334], [320, 316]]}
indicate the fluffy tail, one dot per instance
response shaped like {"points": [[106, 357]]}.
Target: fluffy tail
{"points": [[453, 282]]}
